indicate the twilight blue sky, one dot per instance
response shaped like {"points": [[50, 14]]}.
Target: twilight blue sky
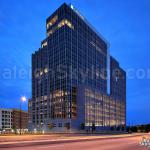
{"points": [[124, 23]]}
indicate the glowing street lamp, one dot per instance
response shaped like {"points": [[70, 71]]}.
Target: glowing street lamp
{"points": [[23, 99]]}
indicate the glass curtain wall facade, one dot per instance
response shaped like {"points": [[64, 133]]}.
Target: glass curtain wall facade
{"points": [[72, 55]]}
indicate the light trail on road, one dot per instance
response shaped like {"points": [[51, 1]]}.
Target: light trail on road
{"points": [[126, 143]]}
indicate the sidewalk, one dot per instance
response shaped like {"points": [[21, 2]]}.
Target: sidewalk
{"points": [[12, 138]]}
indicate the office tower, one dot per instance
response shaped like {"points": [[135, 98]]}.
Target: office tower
{"points": [[73, 78]]}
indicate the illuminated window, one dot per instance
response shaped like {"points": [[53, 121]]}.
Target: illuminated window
{"points": [[49, 33], [52, 21], [37, 75], [116, 79], [44, 44], [60, 24], [41, 73], [45, 70], [65, 22]]}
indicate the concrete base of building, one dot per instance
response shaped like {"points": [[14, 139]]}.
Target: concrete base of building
{"points": [[86, 130]]}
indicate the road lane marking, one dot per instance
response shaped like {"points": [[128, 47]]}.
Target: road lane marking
{"points": [[44, 147]]}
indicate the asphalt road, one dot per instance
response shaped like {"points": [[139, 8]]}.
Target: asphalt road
{"points": [[127, 143]]}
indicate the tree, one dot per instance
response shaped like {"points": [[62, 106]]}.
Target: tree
{"points": [[146, 129], [82, 126], [112, 128], [118, 128], [141, 128], [123, 128], [134, 129], [93, 127], [127, 129]]}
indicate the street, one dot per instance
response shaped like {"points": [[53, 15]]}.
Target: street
{"points": [[122, 143]]}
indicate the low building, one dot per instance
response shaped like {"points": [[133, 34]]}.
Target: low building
{"points": [[16, 119], [6, 119], [10, 120]]}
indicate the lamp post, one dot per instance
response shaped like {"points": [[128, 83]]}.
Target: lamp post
{"points": [[23, 99]]}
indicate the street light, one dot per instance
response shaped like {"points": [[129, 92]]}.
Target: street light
{"points": [[23, 99]]}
